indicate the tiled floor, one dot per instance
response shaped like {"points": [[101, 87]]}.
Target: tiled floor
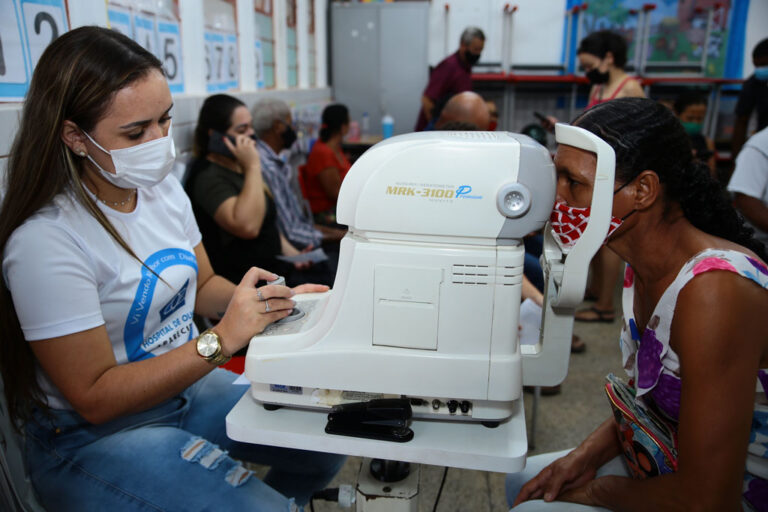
{"points": [[563, 421]]}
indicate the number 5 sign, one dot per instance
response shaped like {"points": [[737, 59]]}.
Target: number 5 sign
{"points": [[26, 28], [170, 54]]}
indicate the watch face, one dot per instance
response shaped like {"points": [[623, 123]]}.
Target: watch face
{"points": [[207, 345]]}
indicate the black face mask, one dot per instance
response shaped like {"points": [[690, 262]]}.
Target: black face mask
{"points": [[288, 136], [596, 76], [471, 58]]}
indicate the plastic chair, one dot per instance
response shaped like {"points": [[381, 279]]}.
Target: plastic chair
{"points": [[16, 491]]}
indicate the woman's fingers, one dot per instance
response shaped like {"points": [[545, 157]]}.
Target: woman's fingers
{"points": [[256, 274], [311, 288], [275, 290], [275, 304]]}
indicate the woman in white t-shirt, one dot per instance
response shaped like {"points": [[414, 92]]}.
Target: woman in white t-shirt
{"points": [[121, 401]]}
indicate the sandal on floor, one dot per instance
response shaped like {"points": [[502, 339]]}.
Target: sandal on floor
{"points": [[603, 316], [577, 345]]}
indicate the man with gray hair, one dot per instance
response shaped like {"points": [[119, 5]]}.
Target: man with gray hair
{"points": [[452, 76], [272, 123]]}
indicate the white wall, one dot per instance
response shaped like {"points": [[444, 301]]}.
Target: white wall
{"points": [[187, 105], [537, 29], [757, 30]]}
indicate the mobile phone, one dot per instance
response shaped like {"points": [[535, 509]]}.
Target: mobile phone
{"points": [[216, 144]]}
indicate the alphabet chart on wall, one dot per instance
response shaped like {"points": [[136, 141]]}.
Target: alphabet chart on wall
{"points": [[26, 28], [160, 33]]}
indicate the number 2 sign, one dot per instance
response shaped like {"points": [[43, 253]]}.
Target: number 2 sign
{"points": [[27, 27]]}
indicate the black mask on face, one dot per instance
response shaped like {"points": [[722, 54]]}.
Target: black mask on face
{"points": [[596, 76], [471, 58], [289, 136]]}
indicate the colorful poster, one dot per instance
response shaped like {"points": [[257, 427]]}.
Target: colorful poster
{"points": [[690, 33]]}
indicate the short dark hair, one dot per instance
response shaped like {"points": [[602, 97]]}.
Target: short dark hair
{"points": [[603, 41], [686, 99], [760, 50], [334, 117]]}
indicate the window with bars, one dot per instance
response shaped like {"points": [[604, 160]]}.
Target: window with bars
{"points": [[291, 45], [265, 44], [312, 46]]}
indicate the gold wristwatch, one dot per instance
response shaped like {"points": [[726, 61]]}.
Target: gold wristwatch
{"points": [[209, 348]]}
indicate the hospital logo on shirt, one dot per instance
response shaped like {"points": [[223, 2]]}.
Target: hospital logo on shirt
{"points": [[175, 303], [146, 335]]}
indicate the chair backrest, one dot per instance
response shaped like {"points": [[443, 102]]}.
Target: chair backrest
{"points": [[16, 491]]}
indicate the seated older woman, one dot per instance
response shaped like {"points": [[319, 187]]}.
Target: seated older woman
{"points": [[694, 338]]}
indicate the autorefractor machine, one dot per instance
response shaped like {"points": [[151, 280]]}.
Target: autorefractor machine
{"points": [[414, 353]]}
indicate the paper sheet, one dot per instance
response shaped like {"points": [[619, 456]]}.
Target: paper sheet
{"points": [[530, 322], [315, 256]]}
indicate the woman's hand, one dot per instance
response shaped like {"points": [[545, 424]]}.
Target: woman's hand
{"points": [[570, 472], [245, 152], [252, 309], [310, 288]]}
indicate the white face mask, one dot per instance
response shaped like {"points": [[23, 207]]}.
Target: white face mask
{"points": [[141, 166]]}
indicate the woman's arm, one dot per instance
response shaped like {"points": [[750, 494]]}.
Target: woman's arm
{"points": [[632, 89], [576, 469], [330, 182], [83, 366], [213, 291], [719, 334], [243, 215]]}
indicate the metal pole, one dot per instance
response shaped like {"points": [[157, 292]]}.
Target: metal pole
{"points": [[705, 45]]}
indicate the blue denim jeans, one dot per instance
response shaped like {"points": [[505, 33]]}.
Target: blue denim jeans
{"points": [[175, 456]]}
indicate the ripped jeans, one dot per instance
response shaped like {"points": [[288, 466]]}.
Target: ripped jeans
{"points": [[175, 456]]}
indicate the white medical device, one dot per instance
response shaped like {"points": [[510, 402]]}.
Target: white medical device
{"points": [[427, 295]]}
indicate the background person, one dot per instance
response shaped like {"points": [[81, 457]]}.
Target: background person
{"points": [[603, 55], [102, 365], [465, 107], [272, 123], [326, 165], [749, 183], [691, 108], [753, 97], [231, 202], [695, 277], [452, 76]]}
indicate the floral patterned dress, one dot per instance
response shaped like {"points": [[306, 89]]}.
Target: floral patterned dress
{"points": [[655, 368]]}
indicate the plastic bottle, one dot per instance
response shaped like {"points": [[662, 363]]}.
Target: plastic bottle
{"points": [[387, 126], [365, 125], [354, 132]]}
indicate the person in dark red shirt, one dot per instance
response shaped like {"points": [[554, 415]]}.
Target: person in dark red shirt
{"points": [[451, 76]]}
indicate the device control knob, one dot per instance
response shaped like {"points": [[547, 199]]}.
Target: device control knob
{"points": [[513, 200]]}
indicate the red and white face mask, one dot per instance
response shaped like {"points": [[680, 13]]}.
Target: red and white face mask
{"points": [[568, 224]]}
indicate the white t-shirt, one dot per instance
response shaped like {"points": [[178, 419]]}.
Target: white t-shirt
{"points": [[66, 274], [750, 177]]}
